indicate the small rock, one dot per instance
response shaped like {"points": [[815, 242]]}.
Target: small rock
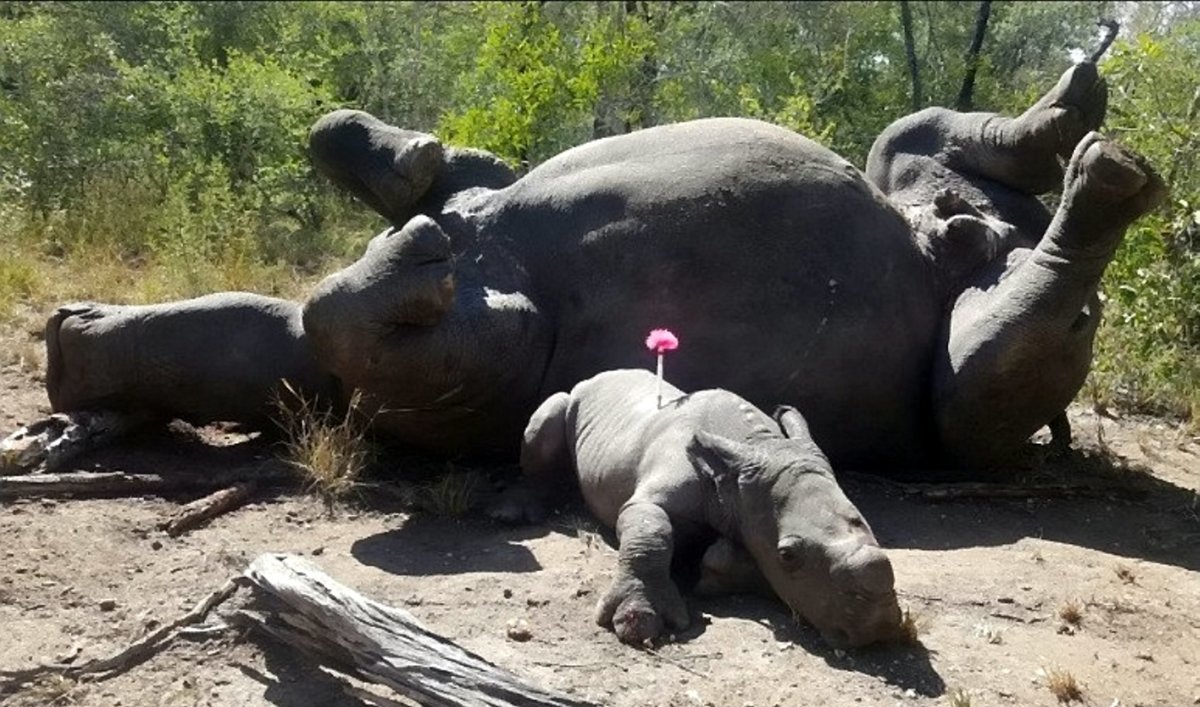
{"points": [[1006, 600], [910, 694], [318, 551], [108, 604], [156, 545], [536, 602], [518, 630], [583, 591], [1144, 656], [507, 593]]}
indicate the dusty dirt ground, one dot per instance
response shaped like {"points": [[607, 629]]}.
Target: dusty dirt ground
{"points": [[988, 578]]}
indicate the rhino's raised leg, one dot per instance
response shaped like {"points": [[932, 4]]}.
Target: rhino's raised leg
{"points": [[1018, 341], [387, 168], [545, 463], [1026, 153], [643, 599], [398, 173]]}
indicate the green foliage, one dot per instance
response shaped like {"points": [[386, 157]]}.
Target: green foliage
{"points": [[1149, 347], [155, 149]]}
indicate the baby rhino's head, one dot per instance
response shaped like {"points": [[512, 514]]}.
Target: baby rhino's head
{"points": [[809, 541]]}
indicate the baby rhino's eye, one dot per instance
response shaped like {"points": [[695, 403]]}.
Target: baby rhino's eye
{"points": [[790, 555]]}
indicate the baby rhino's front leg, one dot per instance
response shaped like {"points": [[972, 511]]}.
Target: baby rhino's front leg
{"points": [[643, 599]]}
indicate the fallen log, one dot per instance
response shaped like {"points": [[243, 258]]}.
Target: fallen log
{"points": [[99, 484], [346, 631], [205, 509]]}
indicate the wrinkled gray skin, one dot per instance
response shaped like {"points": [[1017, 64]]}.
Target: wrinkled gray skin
{"points": [[704, 462], [931, 313]]}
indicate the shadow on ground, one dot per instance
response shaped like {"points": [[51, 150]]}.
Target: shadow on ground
{"points": [[906, 666], [426, 545], [1132, 514]]}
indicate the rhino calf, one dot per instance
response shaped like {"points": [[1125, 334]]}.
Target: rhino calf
{"points": [[710, 461]]}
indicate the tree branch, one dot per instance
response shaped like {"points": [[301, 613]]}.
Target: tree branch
{"points": [[966, 93]]}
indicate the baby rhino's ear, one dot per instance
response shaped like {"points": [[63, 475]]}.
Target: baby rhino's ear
{"points": [[793, 426], [790, 422], [720, 458]]}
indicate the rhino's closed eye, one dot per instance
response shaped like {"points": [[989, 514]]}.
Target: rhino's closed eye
{"points": [[790, 557]]}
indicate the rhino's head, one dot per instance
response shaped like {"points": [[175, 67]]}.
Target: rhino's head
{"points": [[808, 539]]}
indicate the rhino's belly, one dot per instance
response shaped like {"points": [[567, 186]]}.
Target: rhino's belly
{"points": [[787, 278]]}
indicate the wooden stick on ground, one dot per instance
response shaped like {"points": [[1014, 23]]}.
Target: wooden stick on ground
{"points": [[131, 656], [118, 483], [205, 509], [346, 631]]}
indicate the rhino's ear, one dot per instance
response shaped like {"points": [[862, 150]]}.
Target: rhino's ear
{"points": [[721, 458]]}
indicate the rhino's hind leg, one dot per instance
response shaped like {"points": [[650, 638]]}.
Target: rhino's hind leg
{"points": [[643, 600], [1026, 153], [545, 463], [1019, 340], [221, 357]]}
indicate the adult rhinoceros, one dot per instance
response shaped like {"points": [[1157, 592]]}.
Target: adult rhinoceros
{"points": [[930, 313]]}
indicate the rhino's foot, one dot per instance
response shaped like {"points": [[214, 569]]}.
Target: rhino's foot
{"points": [[1059, 120], [522, 503], [1106, 188], [639, 612]]}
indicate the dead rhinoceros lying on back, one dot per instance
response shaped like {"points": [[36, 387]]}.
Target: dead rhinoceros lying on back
{"points": [[710, 461]]}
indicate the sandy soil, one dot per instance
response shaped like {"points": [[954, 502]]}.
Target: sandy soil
{"points": [[987, 577]]}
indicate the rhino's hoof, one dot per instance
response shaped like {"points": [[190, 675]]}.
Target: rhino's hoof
{"points": [[1114, 174], [638, 613]]}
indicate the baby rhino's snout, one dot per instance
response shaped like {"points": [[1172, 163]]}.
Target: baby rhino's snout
{"points": [[864, 609]]}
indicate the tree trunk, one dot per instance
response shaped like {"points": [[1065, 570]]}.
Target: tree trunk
{"points": [[966, 93], [910, 52]]}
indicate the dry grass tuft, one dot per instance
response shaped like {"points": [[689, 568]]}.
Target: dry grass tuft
{"points": [[1064, 686], [959, 698], [453, 494], [1071, 612], [330, 453], [912, 625], [1125, 574]]}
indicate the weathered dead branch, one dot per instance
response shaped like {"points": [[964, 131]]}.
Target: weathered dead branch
{"points": [[118, 483], [135, 654], [205, 509], [48, 444], [340, 628], [1111, 28]]}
